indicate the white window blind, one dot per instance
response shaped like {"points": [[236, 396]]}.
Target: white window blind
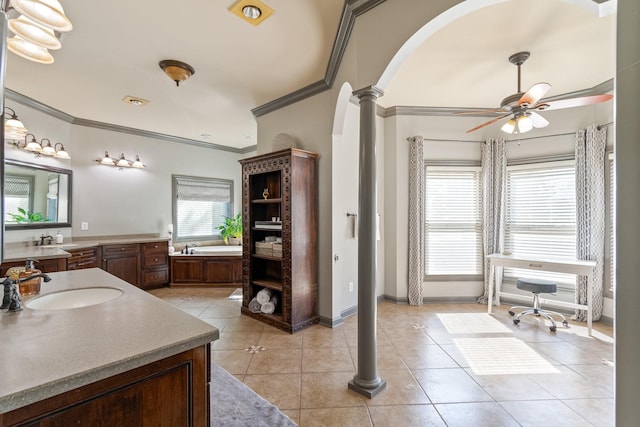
{"points": [[541, 215], [17, 194], [201, 204], [453, 243]]}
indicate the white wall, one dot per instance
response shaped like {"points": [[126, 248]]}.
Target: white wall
{"points": [[115, 202]]}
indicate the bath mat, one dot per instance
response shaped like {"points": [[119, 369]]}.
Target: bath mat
{"points": [[237, 294]]}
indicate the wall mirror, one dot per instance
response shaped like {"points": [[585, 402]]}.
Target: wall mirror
{"points": [[36, 196]]}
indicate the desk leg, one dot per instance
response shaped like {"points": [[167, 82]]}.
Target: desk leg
{"points": [[492, 273], [589, 302]]}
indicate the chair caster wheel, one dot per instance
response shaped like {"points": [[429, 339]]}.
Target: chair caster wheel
{"points": [[511, 313], [516, 321], [565, 323], [552, 328]]}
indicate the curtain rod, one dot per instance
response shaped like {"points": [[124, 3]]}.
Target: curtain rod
{"points": [[606, 125]]}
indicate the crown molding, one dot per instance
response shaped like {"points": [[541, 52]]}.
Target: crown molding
{"points": [[68, 118]]}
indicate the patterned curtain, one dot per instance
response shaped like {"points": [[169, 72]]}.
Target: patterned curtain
{"points": [[590, 213], [416, 220], [493, 193]]}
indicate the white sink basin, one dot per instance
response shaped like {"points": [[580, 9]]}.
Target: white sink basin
{"points": [[74, 298]]}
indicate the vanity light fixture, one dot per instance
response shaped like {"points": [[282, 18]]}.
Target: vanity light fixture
{"points": [[120, 162], [37, 29], [13, 127], [44, 147]]}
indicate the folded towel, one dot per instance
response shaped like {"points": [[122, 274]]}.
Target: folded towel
{"points": [[269, 307], [254, 306], [263, 296]]}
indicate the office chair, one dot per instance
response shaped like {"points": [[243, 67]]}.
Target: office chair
{"points": [[537, 287]]}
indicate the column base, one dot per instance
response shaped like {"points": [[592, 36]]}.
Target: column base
{"points": [[369, 392]]}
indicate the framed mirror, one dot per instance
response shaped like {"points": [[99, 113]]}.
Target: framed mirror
{"points": [[36, 196]]}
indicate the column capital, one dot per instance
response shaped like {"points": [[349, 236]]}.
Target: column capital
{"points": [[369, 91]]}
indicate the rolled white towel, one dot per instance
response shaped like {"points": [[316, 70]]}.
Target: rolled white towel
{"points": [[254, 306], [263, 296], [269, 307]]}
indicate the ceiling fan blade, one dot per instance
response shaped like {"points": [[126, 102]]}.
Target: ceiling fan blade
{"points": [[534, 94], [488, 123], [537, 120], [573, 102]]}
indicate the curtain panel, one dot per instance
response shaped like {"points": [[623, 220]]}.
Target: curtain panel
{"points": [[493, 154], [590, 213], [416, 220]]}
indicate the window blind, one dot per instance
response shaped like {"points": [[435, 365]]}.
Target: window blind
{"points": [[453, 243], [201, 204], [541, 215], [17, 194]]}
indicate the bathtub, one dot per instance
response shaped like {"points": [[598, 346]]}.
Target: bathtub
{"points": [[221, 250]]}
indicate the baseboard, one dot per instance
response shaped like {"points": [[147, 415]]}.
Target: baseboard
{"points": [[432, 300], [329, 322]]}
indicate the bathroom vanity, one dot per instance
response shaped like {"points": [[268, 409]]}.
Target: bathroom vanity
{"points": [[133, 359]]}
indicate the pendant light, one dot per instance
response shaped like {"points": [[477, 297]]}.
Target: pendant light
{"points": [[13, 127]]}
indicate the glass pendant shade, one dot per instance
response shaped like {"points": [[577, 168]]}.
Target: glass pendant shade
{"points": [[524, 123], [45, 12], [28, 50], [31, 31], [48, 149], [509, 126], [122, 162], [14, 129], [33, 146], [137, 164], [62, 153], [106, 160]]}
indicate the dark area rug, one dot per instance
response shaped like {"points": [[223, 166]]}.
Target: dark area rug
{"points": [[235, 404]]}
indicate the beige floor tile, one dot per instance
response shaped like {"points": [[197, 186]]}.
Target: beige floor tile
{"points": [[352, 338], [543, 413], [405, 416], [387, 357], [599, 412], [335, 417], [567, 353], [450, 386], [236, 340], [232, 361], [276, 361], [293, 414], [510, 387], [282, 390], [402, 388], [327, 359], [567, 384], [219, 311], [601, 374], [321, 336], [421, 356], [477, 414], [243, 324], [328, 390], [280, 339]]}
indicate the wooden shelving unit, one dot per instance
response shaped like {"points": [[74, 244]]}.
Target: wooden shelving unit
{"points": [[288, 179]]}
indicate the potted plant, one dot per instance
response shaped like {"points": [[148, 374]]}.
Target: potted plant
{"points": [[231, 230]]}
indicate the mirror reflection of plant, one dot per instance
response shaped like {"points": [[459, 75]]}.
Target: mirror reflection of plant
{"points": [[27, 216], [231, 227]]}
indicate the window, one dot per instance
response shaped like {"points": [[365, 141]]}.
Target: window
{"points": [[17, 194], [200, 205], [453, 243], [541, 215]]}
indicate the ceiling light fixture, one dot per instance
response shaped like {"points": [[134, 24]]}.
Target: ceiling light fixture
{"points": [[251, 11], [44, 147], [36, 30], [121, 162], [138, 102], [177, 71], [13, 127]]}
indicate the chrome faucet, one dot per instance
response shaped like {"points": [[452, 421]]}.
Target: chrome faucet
{"points": [[11, 296]]}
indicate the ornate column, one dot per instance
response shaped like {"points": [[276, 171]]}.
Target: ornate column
{"points": [[366, 381]]}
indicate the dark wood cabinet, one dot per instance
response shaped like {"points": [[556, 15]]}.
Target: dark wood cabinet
{"points": [[173, 391], [202, 270], [83, 258], [50, 265], [122, 261], [283, 185], [155, 264]]}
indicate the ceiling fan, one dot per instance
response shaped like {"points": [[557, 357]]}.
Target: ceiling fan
{"points": [[522, 107]]}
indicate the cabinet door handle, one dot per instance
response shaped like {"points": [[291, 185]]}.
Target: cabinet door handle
{"points": [[122, 249], [155, 259], [156, 246]]}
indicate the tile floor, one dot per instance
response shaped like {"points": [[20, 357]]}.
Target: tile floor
{"points": [[444, 364]]}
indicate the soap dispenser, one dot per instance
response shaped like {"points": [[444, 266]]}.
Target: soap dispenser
{"points": [[32, 286], [59, 238]]}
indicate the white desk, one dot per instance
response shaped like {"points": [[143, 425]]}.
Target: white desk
{"points": [[579, 267]]}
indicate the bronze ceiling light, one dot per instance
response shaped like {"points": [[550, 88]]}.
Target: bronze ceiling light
{"points": [[177, 71]]}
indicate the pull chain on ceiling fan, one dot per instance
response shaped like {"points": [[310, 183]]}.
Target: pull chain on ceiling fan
{"points": [[522, 107]]}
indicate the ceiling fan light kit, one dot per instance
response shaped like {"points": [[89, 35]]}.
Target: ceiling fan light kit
{"points": [[522, 107]]}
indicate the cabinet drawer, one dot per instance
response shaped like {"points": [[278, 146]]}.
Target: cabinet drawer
{"points": [[82, 258], [151, 260], [155, 277], [155, 247], [114, 250]]}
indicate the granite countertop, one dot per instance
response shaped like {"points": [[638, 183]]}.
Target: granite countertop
{"points": [[20, 252], [48, 352]]}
